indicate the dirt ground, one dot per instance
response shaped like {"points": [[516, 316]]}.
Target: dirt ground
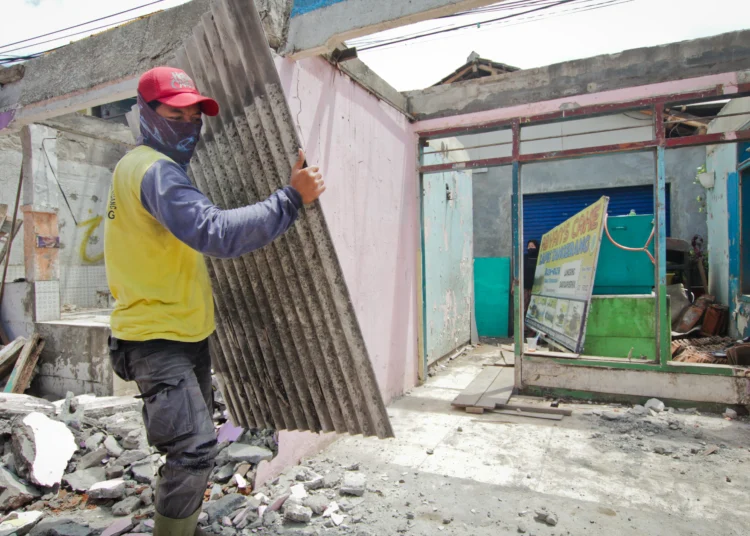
{"points": [[603, 471], [607, 470]]}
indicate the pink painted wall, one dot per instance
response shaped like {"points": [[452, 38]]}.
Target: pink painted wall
{"points": [[728, 81], [367, 153]]}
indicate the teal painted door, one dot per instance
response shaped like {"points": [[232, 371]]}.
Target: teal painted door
{"points": [[448, 259], [492, 295]]}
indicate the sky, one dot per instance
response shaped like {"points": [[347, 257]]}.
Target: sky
{"points": [[534, 40]]}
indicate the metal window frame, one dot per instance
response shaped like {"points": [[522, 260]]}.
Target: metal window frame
{"points": [[657, 145]]}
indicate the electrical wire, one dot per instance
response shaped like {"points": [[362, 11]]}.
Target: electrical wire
{"points": [[363, 45], [446, 30], [523, 20], [110, 25], [79, 25]]}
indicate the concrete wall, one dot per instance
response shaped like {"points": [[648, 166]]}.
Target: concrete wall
{"points": [[367, 152], [723, 241], [76, 359], [83, 167], [11, 156], [572, 81], [319, 26], [448, 251], [492, 191]]}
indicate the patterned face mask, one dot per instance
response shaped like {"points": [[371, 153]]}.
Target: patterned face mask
{"points": [[175, 139]]}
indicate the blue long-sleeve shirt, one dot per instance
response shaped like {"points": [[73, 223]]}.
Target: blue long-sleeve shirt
{"points": [[169, 196]]}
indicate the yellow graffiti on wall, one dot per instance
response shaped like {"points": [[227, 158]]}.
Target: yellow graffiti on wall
{"points": [[90, 225]]}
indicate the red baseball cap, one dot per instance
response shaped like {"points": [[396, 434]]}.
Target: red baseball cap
{"points": [[175, 88]]}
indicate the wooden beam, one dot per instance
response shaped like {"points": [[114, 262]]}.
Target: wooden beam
{"points": [[9, 355], [471, 395], [23, 371]]}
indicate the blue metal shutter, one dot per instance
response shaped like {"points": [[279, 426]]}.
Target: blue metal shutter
{"points": [[544, 212]]}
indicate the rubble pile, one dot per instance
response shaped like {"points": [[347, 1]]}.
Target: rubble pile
{"points": [[87, 458]]}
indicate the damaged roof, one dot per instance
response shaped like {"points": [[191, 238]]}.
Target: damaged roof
{"points": [[477, 67]]}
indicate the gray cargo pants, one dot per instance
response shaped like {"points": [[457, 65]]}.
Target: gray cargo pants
{"points": [[174, 379]]}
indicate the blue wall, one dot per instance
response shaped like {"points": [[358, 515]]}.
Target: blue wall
{"points": [[306, 6], [448, 260]]}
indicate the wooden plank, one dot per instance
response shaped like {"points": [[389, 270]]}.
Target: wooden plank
{"points": [[474, 410], [509, 358], [20, 381], [536, 409], [3, 211], [471, 395], [500, 391], [541, 352], [9, 354], [519, 413], [23, 359]]}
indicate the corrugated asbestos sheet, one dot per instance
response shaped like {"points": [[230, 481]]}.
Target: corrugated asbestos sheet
{"points": [[288, 350]]}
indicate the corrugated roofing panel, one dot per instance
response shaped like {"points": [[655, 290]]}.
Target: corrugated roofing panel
{"points": [[288, 349]]}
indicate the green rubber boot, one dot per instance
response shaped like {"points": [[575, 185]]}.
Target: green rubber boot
{"points": [[164, 526]]}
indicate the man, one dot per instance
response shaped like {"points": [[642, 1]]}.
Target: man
{"points": [[157, 230]]}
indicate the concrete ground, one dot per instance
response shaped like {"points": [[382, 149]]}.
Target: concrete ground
{"points": [[449, 472]]}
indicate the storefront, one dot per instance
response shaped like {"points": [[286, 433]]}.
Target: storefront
{"points": [[628, 349]]}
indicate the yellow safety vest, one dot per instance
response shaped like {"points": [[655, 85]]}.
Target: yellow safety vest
{"points": [[161, 285]]}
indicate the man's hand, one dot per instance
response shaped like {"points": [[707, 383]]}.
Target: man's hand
{"points": [[308, 181]]}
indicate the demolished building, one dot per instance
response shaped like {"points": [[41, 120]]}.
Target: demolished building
{"points": [[413, 304]]}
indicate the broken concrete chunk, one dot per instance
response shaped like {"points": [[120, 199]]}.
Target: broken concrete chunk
{"points": [[245, 517], [109, 489], [13, 405], [113, 447], [84, 479], [131, 456], [92, 459], [62, 527], [612, 416], [223, 475], [331, 480], [239, 452], [126, 506], [42, 449], [93, 442], [71, 413], [241, 482], [14, 494], [279, 502], [147, 497], [120, 425], [216, 493], [119, 527], [655, 404], [316, 503], [297, 513], [134, 440], [729, 413], [546, 517], [114, 471], [143, 472], [354, 484], [19, 523], [225, 506], [638, 410], [98, 407]]}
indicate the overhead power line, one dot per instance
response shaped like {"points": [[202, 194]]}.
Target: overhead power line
{"points": [[77, 26], [536, 14], [446, 30], [110, 25]]}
